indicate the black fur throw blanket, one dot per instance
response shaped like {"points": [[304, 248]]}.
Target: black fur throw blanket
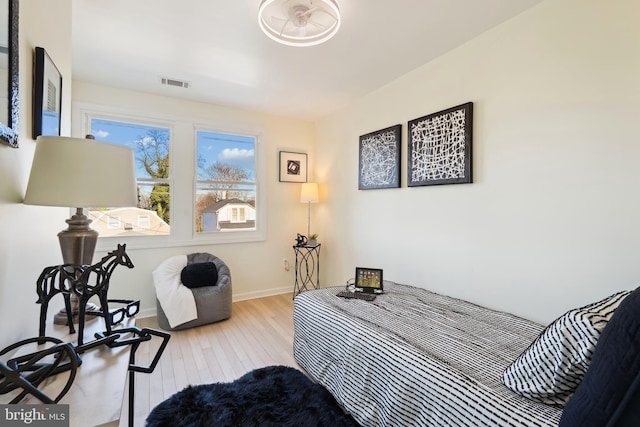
{"points": [[267, 397]]}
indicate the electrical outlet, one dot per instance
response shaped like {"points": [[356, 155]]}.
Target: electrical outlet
{"points": [[285, 264]]}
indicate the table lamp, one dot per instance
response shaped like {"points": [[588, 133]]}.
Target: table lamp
{"points": [[80, 173]]}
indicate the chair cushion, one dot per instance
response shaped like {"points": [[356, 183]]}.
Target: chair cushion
{"points": [[199, 274], [551, 368], [613, 376]]}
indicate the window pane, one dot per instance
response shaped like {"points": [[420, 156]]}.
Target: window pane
{"points": [[225, 188], [143, 221], [151, 150], [113, 222]]}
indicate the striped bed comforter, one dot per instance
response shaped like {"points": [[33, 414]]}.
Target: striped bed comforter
{"points": [[416, 358]]}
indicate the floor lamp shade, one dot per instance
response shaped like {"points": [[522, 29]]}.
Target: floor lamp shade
{"points": [[81, 173], [309, 193]]}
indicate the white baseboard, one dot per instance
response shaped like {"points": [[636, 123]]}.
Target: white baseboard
{"points": [[262, 294], [151, 312]]}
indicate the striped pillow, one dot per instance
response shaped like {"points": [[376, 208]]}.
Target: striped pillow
{"points": [[554, 364]]}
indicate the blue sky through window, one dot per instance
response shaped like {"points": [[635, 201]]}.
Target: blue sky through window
{"points": [[123, 133], [235, 150]]}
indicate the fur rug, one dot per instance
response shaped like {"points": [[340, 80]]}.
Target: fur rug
{"points": [[272, 396]]}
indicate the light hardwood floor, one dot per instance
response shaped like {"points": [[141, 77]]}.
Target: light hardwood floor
{"points": [[259, 333]]}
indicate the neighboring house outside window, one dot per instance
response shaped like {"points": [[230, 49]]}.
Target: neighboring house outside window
{"points": [[128, 221], [229, 215]]}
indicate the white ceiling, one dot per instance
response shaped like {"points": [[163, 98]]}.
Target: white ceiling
{"points": [[218, 46]]}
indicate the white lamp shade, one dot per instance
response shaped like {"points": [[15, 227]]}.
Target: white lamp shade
{"points": [[81, 173], [309, 193]]}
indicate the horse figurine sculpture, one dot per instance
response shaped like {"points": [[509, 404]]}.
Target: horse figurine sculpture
{"points": [[85, 282]]}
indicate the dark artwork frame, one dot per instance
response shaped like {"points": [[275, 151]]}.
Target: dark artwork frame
{"points": [[440, 147], [379, 159], [47, 95], [9, 131], [293, 167]]}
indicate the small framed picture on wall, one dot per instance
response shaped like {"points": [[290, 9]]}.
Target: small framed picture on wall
{"points": [[293, 167], [47, 95]]}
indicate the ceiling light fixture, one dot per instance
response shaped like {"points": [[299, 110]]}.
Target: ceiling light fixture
{"points": [[299, 22]]}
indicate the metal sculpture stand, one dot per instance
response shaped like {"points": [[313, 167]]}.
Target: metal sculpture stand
{"points": [[139, 336], [27, 372], [84, 282]]}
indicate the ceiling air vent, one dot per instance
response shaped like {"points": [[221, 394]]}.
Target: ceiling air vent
{"points": [[175, 82]]}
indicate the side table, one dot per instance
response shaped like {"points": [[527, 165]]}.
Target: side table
{"points": [[307, 267]]}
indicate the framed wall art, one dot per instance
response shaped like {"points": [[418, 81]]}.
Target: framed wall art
{"points": [[9, 86], [439, 147], [293, 167], [379, 159], [47, 95]]}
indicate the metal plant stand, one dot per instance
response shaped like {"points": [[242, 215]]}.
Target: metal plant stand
{"points": [[307, 268]]}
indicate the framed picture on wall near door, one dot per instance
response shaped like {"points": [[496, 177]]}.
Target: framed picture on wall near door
{"points": [[47, 95]]}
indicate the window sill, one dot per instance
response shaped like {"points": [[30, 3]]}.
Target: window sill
{"points": [[106, 244]]}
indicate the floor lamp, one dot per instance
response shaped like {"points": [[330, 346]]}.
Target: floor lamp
{"points": [[309, 194], [80, 173]]}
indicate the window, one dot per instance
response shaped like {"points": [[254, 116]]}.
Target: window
{"points": [[143, 221], [214, 176], [113, 222], [226, 183], [238, 215], [150, 144]]}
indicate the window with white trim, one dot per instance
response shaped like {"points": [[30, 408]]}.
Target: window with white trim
{"points": [[192, 187], [226, 182], [150, 144]]}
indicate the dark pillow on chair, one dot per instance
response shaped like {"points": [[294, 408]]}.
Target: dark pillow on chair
{"points": [[199, 274], [612, 378]]}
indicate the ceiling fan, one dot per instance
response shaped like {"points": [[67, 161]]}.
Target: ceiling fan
{"points": [[299, 22]]}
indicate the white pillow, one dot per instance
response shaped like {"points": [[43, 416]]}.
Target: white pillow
{"points": [[551, 368]]}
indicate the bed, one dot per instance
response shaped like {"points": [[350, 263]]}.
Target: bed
{"points": [[414, 357]]}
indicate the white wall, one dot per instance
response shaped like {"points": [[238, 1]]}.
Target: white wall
{"points": [[551, 221], [256, 268], [28, 240]]}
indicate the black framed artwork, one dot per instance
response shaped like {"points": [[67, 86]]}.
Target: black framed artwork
{"points": [[9, 61], [47, 95], [379, 159], [293, 167], [440, 147]]}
